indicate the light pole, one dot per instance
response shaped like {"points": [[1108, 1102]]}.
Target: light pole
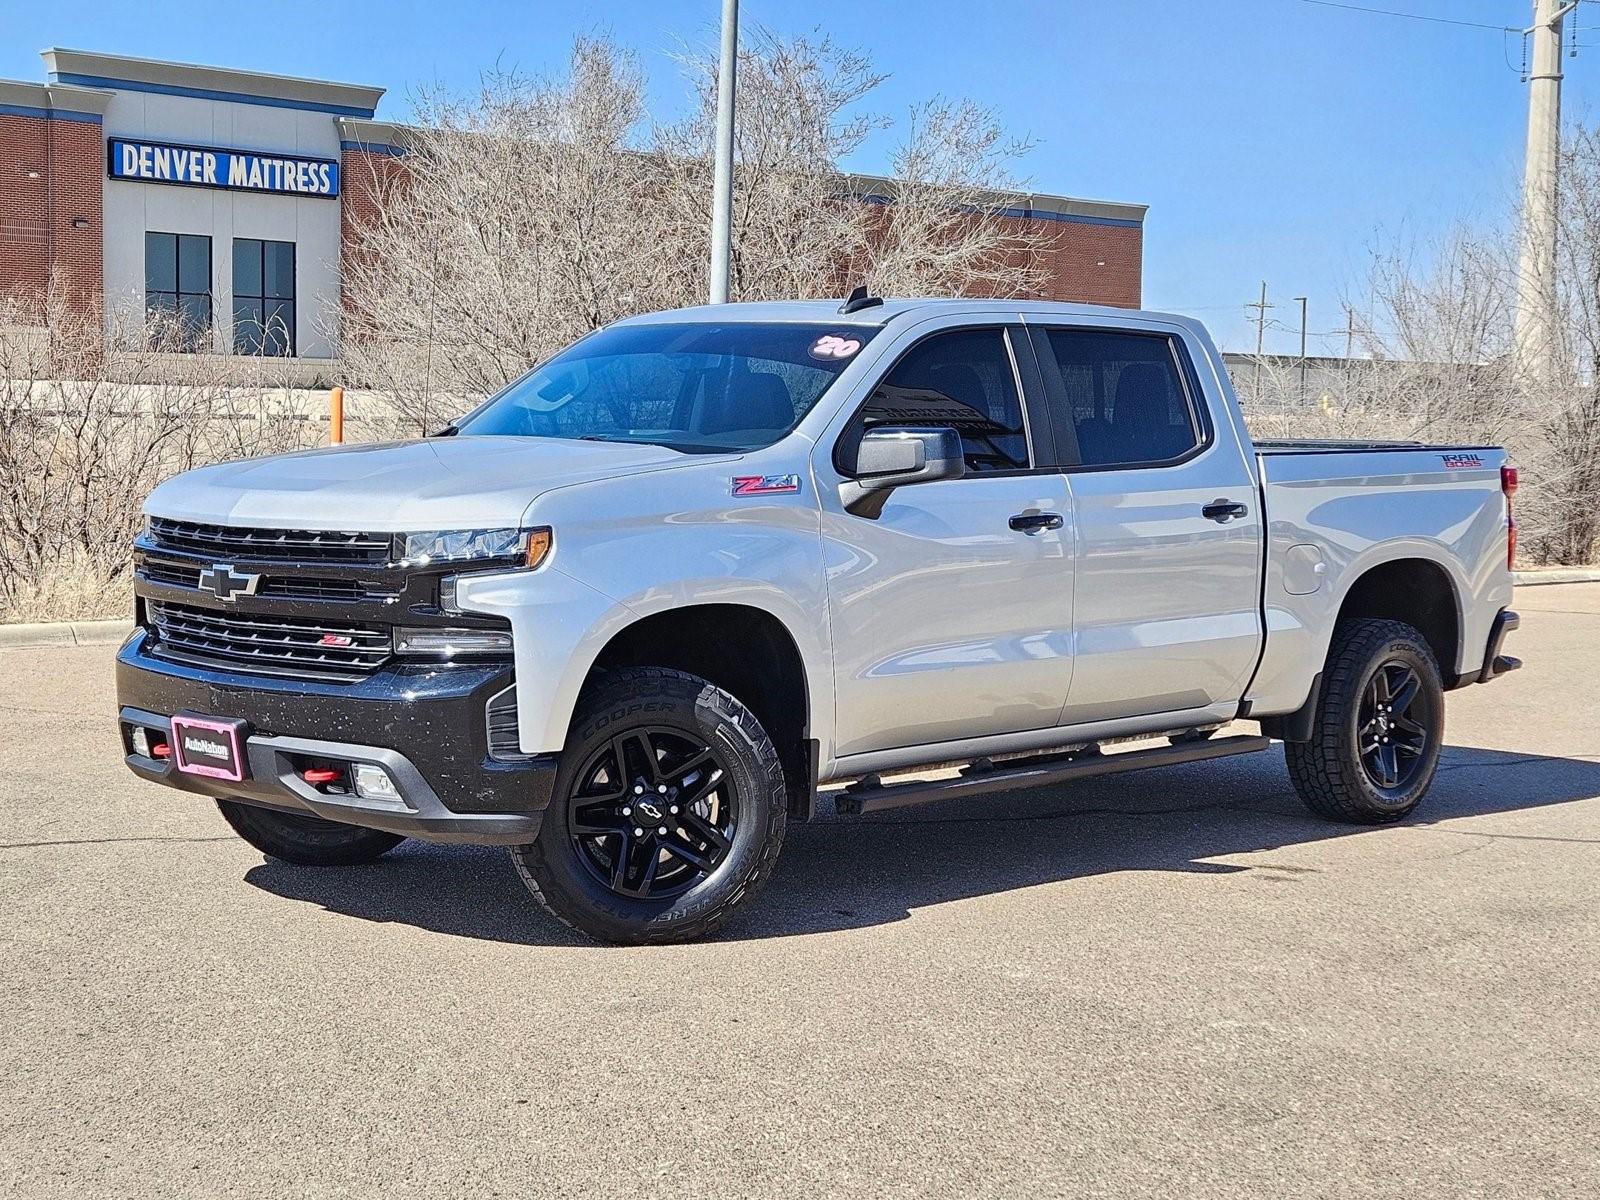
{"points": [[722, 187], [1302, 301], [1536, 274]]}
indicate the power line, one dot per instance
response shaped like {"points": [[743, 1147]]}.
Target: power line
{"points": [[1410, 16]]}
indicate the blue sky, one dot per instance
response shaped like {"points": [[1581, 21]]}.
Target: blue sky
{"points": [[1272, 139]]}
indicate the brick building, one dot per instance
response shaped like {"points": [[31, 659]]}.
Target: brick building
{"points": [[228, 198]]}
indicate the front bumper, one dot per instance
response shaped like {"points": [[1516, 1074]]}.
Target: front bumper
{"points": [[425, 725]]}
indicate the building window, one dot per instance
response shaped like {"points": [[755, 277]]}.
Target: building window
{"points": [[263, 297], [177, 289]]}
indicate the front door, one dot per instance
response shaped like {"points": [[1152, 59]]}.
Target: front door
{"points": [[1168, 524], [951, 610]]}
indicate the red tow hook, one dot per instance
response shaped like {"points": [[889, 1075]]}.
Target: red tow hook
{"points": [[161, 750], [320, 775]]}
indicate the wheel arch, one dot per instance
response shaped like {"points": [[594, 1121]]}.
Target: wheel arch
{"points": [[1417, 589], [747, 651]]}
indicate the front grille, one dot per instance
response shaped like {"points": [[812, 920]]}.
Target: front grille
{"points": [[298, 545], [284, 587], [272, 645]]}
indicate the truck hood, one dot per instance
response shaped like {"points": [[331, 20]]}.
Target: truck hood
{"points": [[439, 483]]}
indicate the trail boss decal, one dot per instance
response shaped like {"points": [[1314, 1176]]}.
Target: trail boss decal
{"points": [[835, 346], [766, 485], [1461, 462]]}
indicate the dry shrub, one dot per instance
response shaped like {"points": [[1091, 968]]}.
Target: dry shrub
{"points": [[92, 423]]}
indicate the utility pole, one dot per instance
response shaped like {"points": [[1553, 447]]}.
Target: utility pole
{"points": [[722, 188], [1536, 276], [1261, 307], [1302, 301]]}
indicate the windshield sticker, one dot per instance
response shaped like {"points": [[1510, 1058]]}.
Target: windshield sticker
{"points": [[766, 485], [835, 346]]}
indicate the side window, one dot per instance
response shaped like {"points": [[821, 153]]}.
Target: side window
{"points": [[1122, 395], [962, 379]]}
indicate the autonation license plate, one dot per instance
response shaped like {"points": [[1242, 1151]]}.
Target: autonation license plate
{"points": [[208, 746]]}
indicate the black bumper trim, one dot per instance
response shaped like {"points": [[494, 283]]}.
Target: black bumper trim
{"points": [[274, 781], [1496, 664]]}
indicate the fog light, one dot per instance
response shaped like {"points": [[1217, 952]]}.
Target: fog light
{"points": [[373, 783], [141, 741]]}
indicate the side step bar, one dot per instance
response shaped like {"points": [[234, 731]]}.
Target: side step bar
{"points": [[870, 796]]}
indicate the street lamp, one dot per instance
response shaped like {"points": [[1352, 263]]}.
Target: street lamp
{"points": [[722, 187]]}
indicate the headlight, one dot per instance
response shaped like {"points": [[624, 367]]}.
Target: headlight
{"points": [[529, 546], [433, 641]]}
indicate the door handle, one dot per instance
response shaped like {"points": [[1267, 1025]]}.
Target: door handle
{"points": [[1223, 511], [1033, 522]]}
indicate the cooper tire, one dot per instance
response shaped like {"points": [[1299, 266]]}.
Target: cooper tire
{"points": [[1366, 763], [597, 870], [306, 840]]}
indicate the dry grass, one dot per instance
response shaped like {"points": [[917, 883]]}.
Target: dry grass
{"points": [[75, 588]]}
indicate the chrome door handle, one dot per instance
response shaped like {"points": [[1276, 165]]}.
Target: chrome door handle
{"points": [[1223, 511], [1033, 522]]}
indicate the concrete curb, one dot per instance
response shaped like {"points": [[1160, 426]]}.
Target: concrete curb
{"points": [[1557, 575], [63, 633]]}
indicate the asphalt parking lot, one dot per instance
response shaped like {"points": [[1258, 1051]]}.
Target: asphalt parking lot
{"points": [[1169, 984]]}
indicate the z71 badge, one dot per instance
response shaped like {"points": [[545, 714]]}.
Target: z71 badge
{"points": [[766, 485]]}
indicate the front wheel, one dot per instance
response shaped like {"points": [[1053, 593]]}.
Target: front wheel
{"points": [[306, 840], [1378, 728], [668, 813]]}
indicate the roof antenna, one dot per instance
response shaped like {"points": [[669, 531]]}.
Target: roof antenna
{"points": [[859, 300]]}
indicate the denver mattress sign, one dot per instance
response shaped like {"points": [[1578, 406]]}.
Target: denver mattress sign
{"points": [[238, 170]]}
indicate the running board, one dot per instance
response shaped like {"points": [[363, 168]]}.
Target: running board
{"points": [[870, 796]]}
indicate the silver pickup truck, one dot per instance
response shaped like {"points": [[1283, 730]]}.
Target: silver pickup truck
{"points": [[634, 613]]}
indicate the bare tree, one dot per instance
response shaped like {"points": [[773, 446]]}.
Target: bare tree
{"points": [[540, 210], [1435, 333], [1565, 414], [521, 220]]}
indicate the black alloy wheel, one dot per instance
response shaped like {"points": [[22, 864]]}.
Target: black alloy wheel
{"points": [[1392, 726], [654, 812], [668, 814], [1377, 725]]}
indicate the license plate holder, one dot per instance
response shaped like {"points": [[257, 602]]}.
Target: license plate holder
{"points": [[209, 746]]}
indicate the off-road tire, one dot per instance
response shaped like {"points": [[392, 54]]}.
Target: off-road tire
{"points": [[1327, 771], [638, 697], [306, 840]]}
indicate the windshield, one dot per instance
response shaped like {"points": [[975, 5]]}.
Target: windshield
{"points": [[696, 387]]}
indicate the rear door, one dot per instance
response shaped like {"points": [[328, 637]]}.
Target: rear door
{"points": [[1167, 524]]}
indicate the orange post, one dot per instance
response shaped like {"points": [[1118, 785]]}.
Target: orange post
{"points": [[336, 416]]}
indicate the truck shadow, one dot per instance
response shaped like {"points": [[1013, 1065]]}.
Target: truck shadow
{"points": [[850, 873]]}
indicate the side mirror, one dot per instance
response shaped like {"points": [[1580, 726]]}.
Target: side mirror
{"points": [[895, 456]]}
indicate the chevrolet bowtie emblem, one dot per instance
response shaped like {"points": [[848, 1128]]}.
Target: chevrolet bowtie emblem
{"points": [[226, 584]]}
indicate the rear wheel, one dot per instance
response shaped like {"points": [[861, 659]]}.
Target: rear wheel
{"points": [[668, 814], [1378, 727], [306, 840]]}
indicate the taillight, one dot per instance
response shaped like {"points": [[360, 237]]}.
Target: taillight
{"points": [[1508, 485]]}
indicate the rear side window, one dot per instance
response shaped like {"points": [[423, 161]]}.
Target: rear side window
{"points": [[964, 380], [1122, 395]]}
